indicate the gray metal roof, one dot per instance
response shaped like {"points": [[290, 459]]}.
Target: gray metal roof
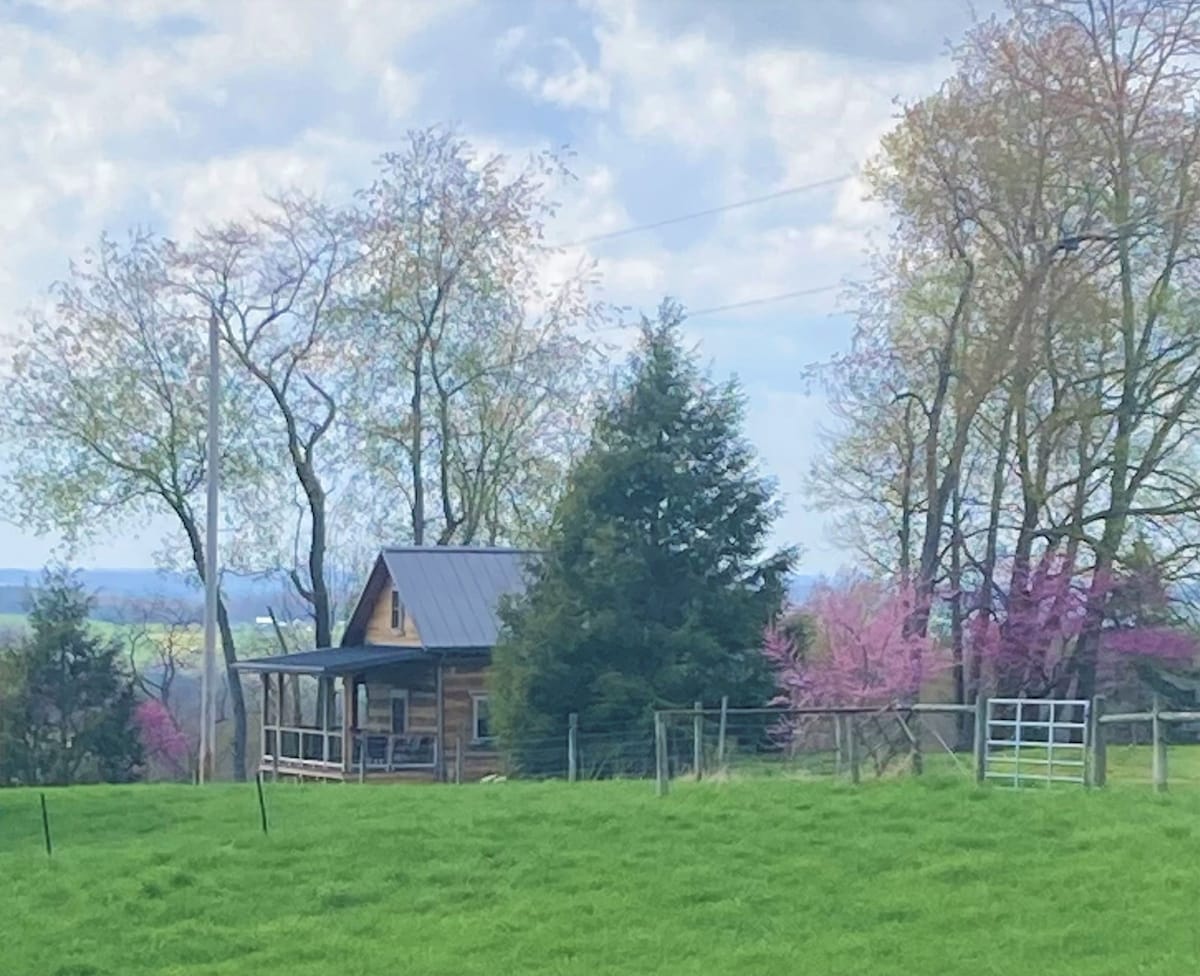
{"points": [[333, 660], [454, 592]]}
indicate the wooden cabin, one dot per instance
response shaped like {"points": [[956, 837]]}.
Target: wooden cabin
{"points": [[405, 694]]}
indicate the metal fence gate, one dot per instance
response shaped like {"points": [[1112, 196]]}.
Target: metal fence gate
{"points": [[1037, 740]]}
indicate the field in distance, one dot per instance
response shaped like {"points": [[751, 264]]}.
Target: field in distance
{"points": [[922, 876]]}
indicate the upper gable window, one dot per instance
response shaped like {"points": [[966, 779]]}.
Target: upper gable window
{"points": [[399, 616]]}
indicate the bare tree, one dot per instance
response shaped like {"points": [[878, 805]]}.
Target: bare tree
{"points": [[273, 283], [105, 413], [491, 369]]}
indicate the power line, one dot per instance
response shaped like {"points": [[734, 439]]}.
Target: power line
{"points": [[697, 214], [749, 303]]}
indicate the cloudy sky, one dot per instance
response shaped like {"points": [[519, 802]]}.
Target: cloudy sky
{"points": [[170, 113]]}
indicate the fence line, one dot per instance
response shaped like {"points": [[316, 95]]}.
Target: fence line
{"points": [[844, 737], [849, 741], [1156, 718]]}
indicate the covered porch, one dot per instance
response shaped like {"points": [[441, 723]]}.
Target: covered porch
{"points": [[351, 713]]}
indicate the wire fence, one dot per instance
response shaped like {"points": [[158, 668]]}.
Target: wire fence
{"points": [[1159, 747], [852, 742]]}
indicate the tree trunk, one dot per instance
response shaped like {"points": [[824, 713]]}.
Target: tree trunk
{"points": [[964, 722], [416, 461], [316, 561], [233, 678]]}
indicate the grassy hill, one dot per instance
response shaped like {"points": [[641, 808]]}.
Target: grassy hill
{"points": [[760, 877]]}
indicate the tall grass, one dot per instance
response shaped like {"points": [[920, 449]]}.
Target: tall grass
{"points": [[902, 877]]}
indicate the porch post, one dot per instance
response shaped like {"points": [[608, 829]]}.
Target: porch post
{"points": [[323, 688], [441, 726], [266, 719], [349, 721]]}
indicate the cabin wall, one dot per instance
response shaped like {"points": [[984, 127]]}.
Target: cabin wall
{"points": [[461, 681], [379, 624], [421, 682]]}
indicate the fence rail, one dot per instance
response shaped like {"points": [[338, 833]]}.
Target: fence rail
{"points": [[1157, 718], [835, 737]]}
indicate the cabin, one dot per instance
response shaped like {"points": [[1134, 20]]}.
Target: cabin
{"points": [[404, 696]]}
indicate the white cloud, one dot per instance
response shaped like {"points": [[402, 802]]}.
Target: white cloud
{"points": [[569, 83], [93, 136]]}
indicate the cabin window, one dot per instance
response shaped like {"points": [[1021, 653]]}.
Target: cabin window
{"points": [[399, 711], [481, 718], [399, 617]]}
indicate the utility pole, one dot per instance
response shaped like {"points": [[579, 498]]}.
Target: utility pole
{"points": [[208, 675]]}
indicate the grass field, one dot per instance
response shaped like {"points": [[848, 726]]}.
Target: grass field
{"points": [[910, 877]]}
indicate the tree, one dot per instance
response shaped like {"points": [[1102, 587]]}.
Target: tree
{"points": [[1028, 645], [105, 415], [162, 640], [164, 743], [852, 643], [858, 648], [491, 364], [656, 584], [73, 716], [272, 280], [1051, 183]]}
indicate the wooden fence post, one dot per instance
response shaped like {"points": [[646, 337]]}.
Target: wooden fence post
{"points": [[1159, 742], [458, 758], [572, 747], [981, 735], [1099, 744], [698, 741], [852, 750], [660, 755], [721, 732], [839, 744], [918, 761]]}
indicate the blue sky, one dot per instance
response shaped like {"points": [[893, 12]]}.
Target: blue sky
{"points": [[171, 113]]}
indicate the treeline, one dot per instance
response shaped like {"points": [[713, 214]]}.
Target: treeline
{"points": [[1017, 434], [409, 365]]}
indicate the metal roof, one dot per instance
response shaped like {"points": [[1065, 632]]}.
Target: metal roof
{"points": [[454, 592], [333, 660]]}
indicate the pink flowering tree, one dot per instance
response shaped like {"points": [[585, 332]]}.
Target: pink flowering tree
{"points": [[854, 642], [166, 746], [1027, 642], [861, 649]]}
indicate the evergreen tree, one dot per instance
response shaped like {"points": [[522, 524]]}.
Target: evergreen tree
{"points": [[654, 588], [71, 718]]}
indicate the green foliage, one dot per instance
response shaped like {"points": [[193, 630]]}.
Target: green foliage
{"points": [[67, 714], [602, 879], [654, 588]]}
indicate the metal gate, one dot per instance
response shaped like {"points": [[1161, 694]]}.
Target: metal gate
{"points": [[1037, 740]]}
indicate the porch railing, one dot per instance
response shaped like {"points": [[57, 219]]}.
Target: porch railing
{"points": [[401, 751], [299, 746]]}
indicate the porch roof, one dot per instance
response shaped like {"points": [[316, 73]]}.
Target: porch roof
{"points": [[334, 660]]}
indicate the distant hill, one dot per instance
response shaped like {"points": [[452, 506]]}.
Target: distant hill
{"points": [[800, 585], [119, 592]]}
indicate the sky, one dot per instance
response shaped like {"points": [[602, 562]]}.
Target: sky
{"points": [[172, 113]]}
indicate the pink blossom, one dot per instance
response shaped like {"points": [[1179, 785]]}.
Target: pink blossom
{"points": [[1027, 638], [864, 650], [161, 736]]}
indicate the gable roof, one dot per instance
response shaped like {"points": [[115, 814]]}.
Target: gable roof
{"points": [[452, 592]]}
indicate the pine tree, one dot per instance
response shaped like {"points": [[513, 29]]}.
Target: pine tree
{"points": [[72, 717], [655, 585]]}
